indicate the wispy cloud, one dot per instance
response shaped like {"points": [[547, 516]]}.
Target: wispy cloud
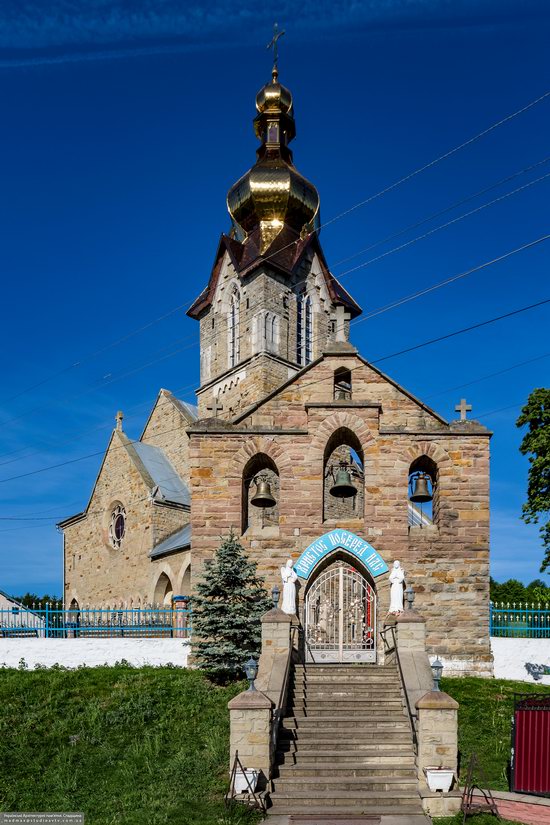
{"points": [[33, 33]]}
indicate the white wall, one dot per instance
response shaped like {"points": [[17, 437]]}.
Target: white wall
{"points": [[512, 655], [93, 652]]}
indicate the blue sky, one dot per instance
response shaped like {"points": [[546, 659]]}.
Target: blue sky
{"points": [[124, 124]]}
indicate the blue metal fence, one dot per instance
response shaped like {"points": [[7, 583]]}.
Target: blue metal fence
{"points": [[53, 621], [521, 621]]}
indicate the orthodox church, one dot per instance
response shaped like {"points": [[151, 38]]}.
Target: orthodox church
{"points": [[297, 444]]}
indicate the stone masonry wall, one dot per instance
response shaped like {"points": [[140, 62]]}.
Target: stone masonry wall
{"points": [[261, 368], [96, 573], [447, 564]]}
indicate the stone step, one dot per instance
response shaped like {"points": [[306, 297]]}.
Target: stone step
{"points": [[344, 724], [339, 759], [368, 714], [326, 782], [313, 808], [339, 770], [349, 798], [328, 692], [355, 683], [348, 709], [320, 742]]}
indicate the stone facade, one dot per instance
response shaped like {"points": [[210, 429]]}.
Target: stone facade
{"points": [[447, 563]]}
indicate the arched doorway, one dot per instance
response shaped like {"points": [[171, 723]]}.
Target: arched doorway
{"points": [[163, 591], [340, 615]]}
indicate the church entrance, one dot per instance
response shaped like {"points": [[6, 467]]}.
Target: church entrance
{"points": [[340, 616]]}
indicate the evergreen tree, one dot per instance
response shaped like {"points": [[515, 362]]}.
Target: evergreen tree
{"points": [[536, 445], [227, 607]]}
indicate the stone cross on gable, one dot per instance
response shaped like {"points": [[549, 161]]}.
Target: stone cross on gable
{"points": [[119, 417], [340, 316], [214, 407], [463, 408]]}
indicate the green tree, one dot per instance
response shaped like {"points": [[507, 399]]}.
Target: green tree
{"points": [[536, 445], [227, 607]]}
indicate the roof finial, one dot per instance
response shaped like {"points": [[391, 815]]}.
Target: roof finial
{"points": [[119, 417], [273, 44]]}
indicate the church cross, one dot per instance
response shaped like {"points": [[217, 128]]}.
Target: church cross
{"points": [[119, 417], [274, 43], [215, 407], [340, 316], [463, 408]]}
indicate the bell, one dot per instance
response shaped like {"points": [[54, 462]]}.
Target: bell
{"points": [[343, 487], [420, 492], [263, 497]]}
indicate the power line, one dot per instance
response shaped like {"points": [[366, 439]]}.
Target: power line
{"points": [[461, 331], [444, 211], [488, 375], [315, 381], [337, 217]]}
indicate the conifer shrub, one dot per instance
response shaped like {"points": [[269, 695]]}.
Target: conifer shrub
{"points": [[227, 608]]}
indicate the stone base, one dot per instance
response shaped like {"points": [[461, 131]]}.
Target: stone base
{"points": [[436, 803], [458, 666]]}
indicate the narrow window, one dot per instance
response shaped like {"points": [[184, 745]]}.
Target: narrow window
{"points": [[342, 384], [304, 329], [233, 331]]}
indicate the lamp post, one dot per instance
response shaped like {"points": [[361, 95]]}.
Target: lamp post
{"points": [[437, 670], [251, 671], [275, 593]]}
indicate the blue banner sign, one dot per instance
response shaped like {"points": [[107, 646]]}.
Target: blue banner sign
{"points": [[353, 544]]}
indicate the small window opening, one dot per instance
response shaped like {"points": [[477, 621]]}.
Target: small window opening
{"points": [[342, 384]]}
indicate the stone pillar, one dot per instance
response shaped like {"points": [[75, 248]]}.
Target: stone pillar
{"points": [[437, 732], [276, 627], [250, 732], [410, 629], [181, 616]]}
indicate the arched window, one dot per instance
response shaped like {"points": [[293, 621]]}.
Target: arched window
{"points": [[233, 332], [342, 384], [163, 591], [260, 478], [343, 476], [423, 492], [270, 332], [304, 328]]}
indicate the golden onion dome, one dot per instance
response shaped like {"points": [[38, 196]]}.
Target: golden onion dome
{"points": [[273, 194], [274, 96]]}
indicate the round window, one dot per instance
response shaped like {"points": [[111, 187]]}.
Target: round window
{"points": [[117, 527]]}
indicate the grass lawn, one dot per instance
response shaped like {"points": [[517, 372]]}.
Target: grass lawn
{"points": [[484, 724], [152, 745]]}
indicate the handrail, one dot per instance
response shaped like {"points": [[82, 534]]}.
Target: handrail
{"points": [[389, 649], [281, 703]]}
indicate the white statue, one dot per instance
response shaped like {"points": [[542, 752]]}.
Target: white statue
{"points": [[397, 577], [289, 576]]}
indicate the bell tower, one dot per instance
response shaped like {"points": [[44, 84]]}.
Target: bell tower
{"points": [[271, 306]]}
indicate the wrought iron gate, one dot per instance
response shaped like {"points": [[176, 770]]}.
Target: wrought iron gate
{"points": [[340, 616]]}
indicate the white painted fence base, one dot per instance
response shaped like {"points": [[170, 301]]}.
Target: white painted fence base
{"points": [[93, 652], [519, 659]]}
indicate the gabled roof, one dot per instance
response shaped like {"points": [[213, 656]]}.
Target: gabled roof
{"points": [[342, 350], [167, 484], [158, 474], [180, 540], [189, 411], [284, 255]]}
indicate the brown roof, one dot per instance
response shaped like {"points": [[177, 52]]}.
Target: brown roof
{"points": [[285, 255]]}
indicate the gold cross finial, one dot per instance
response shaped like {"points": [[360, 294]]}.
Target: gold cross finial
{"points": [[273, 44]]}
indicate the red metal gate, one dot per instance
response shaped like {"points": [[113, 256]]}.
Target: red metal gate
{"points": [[531, 744]]}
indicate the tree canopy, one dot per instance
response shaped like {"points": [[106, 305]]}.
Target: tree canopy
{"points": [[536, 445], [227, 608]]}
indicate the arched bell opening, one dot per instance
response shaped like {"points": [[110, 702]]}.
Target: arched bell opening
{"points": [[423, 492], [342, 384], [343, 476], [260, 493], [339, 616]]}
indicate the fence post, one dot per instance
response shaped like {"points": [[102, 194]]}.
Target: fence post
{"points": [[47, 620], [180, 604]]}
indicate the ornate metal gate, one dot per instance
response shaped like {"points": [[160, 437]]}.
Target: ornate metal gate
{"points": [[340, 616]]}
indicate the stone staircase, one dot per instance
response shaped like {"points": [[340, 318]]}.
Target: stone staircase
{"points": [[345, 745]]}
